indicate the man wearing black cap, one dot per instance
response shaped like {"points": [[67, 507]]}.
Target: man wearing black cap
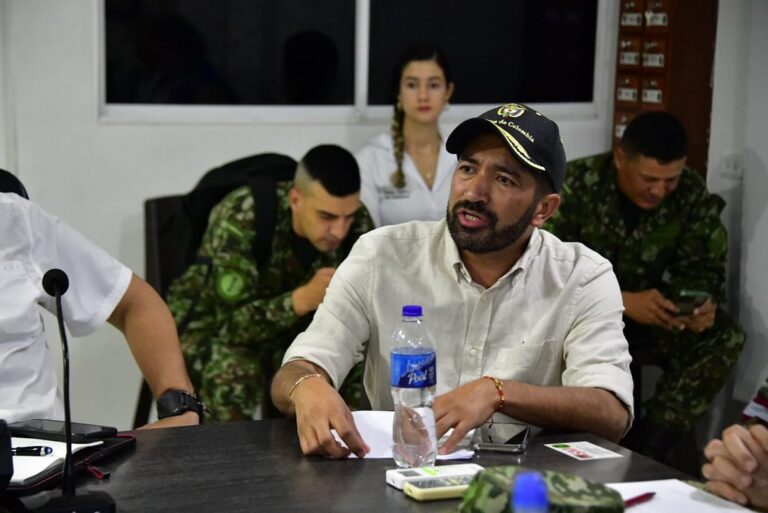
{"points": [[525, 326]]}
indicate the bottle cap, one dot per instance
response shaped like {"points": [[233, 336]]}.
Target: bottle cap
{"points": [[529, 492], [412, 311]]}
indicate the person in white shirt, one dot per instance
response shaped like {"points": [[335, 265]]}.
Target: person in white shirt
{"points": [[525, 324], [100, 289], [406, 174]]}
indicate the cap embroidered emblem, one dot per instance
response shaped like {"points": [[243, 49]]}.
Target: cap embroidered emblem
{"points": [[511, 110]]}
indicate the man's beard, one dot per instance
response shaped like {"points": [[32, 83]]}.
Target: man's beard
{"points": [[487, 238]]}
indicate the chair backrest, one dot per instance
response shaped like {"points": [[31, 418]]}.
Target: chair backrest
{"points": [[164, 241], [10, 183]]}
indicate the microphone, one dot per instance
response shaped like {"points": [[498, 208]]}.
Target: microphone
{"points": [[56, 283]]}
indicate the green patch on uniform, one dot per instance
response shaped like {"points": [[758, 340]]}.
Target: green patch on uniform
{"points": [[718, 241], [230, 285]]}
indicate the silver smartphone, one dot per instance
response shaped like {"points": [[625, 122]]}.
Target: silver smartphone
{"points": [[515, 445]]}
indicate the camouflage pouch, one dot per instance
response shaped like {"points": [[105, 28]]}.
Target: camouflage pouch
{"points": [[490, 489]]}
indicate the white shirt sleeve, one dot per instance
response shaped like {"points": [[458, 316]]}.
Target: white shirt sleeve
{"points": [[595, 350], [340, 329], [97, 281]]}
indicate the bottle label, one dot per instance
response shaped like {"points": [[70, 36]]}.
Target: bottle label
{"points": [[413, 370]]}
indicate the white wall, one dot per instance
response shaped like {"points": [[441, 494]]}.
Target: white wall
{"points": [[95, 173], [740, 135]]}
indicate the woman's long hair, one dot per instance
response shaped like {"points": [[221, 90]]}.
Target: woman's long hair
{"points": [[419, 52]]}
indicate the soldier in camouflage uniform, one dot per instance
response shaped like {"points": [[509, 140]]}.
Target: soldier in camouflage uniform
{"points": [[654, 219], [737, 467], [235, 318]]}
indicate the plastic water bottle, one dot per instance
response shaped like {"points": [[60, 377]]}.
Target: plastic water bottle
{"points": [[529, 494], [412, 367]]}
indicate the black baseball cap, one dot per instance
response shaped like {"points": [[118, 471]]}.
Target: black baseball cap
{"points": [[531, 137]]}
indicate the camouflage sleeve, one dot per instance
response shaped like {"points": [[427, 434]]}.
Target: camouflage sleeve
{"points": [[233, 297], [703, 246], [565, 223]]}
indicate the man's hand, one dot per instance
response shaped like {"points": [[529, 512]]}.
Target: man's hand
{"points": [[651, 307], [188, 418], [738, 465], [309, 296], [463, 409], [319, 408], [702, 318]]}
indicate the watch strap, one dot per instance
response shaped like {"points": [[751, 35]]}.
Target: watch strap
{"points": [[174, 402]]}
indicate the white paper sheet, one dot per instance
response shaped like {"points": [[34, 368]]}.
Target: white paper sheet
{"points": [[674, 496], [26, 468], [376, 429]]}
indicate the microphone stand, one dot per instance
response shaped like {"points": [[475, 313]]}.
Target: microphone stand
{"points": [[56, 283]]}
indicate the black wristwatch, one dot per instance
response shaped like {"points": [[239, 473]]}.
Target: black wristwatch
{"points": [[175, 402]]}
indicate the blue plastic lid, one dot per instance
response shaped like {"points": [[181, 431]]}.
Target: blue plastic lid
{"points": [[412, 311], [529, 492]]}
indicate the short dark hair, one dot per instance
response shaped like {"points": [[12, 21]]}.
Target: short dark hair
{"points": [[334, 167], [658, 135]]}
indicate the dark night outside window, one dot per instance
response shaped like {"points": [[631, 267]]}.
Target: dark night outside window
{"points": [[302, 52]]}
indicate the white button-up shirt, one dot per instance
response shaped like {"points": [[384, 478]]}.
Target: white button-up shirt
{"points": [[415, 202], [555, 318], [32, 243]]}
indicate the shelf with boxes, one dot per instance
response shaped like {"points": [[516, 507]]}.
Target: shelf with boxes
{"points": [[664, 62]]}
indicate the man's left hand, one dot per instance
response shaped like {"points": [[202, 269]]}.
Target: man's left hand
{"points": [[464, 409], [188, 418], [702, 318]]}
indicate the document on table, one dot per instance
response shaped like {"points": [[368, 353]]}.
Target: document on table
{"points": [[674, 495], [376, 429], [28, 468]]}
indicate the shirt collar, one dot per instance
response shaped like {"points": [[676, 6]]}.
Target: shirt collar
{"points": [[453, 258]]}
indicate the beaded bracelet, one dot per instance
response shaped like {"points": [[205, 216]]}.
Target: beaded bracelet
{"points": [[499, 390], [299, 382]]}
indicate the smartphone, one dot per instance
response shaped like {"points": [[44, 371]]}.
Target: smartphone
{"points": [[47, 429], [689, 299], [437, 488], [515, 445]]}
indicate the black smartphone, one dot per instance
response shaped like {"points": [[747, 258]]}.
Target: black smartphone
{"points": [[515, 445], [47, 429], [688, 300]]}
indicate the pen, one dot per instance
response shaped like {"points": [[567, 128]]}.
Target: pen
{"points": [[33, 450], [634, 501]]}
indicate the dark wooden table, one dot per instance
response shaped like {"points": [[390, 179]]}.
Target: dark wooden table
{"points": [[258, 466]]}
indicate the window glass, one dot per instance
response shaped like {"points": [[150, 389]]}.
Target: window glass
{"points": [[499, 50], [230, 52]]}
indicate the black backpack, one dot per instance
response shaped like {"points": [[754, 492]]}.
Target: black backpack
{"points": [[259, 172], [175, 225]]}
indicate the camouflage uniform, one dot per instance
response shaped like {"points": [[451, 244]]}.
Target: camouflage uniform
{"points": [[236, 320], [489, 492], [681, 244]]}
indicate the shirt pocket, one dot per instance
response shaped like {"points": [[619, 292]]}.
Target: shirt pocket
{"points": [[19, 316]]}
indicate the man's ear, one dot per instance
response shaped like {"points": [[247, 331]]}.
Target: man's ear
{"points": [[547, 207], [619, 157], [295, 198]]}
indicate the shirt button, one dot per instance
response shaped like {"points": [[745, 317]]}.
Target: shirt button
{"points": [[472, 352]]}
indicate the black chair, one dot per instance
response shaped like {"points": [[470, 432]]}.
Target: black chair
{"points": [[164, 262], [9, 183]]}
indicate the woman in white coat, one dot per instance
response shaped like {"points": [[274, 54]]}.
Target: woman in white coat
{"points": [[406, 174]]}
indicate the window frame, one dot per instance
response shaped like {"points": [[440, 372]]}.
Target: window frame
{"points": [[360, 111]]}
